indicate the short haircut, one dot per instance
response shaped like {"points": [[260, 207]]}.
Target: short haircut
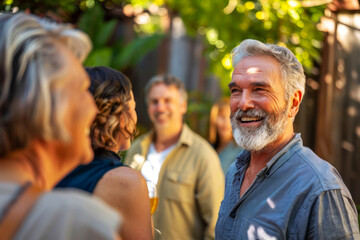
{"points": [[112, 91], [30, 65], [168, 80], [292, 72]]}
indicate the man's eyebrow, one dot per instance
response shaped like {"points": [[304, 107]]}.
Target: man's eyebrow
{"points": [[232, 84], [260, 84], [255, 84]]}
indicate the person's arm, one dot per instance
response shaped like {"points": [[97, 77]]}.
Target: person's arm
{"points": [[125, 189], [210, 190], [333, 216]]}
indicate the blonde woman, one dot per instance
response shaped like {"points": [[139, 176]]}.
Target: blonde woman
{"points": [[220, 133]]}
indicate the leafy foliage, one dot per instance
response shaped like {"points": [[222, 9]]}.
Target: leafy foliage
{"points": [[224, 24], [59, 9], [198, 111], [272, 21], [117, 55], [92, 22]]}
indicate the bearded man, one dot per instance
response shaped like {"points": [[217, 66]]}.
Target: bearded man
{"points": [[277, 188]]}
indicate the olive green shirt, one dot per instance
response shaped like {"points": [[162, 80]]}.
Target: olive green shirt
{"points": [[190, 186]]}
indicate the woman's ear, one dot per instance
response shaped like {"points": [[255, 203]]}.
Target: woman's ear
{"points": [[295, 101]]}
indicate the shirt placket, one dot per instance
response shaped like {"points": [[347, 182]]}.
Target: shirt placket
{"points": [[235, 209]]}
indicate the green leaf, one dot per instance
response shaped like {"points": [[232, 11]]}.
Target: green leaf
{"points": [[99, 57], [104, 33], [135, 50], [91, 21]]}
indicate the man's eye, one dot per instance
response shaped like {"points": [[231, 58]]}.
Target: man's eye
{"points": [[259, 89], [235, 90]]}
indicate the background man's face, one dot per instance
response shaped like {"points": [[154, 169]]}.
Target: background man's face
{"points": [[165, 107], [258, 107]]}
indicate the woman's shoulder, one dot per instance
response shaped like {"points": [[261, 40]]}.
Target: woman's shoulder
{"points": [[70, 214], [76, 202], [71, 198], [125, 177]]}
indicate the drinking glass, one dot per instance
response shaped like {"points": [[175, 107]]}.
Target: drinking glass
{"points": [[153, 195]]}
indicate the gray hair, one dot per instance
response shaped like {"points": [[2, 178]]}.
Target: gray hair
{"points": [[168, 80], [292, 72], [30, 67]]}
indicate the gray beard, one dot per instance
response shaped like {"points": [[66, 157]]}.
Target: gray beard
{"points": [[257, 138]]}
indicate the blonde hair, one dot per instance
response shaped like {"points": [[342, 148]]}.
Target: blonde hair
{"points": [[30, 67], [223, 103]]}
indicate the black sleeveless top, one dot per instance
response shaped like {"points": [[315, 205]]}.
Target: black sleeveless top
{"points": [[86, 177]]}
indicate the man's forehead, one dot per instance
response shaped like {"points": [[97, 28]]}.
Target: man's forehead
{"points": [[254, 64], [256, 68], [246, 70], [164, 91], [163, 86]]}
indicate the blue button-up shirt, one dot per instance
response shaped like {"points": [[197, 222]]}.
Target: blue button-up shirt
{"points": [[296, 196]]}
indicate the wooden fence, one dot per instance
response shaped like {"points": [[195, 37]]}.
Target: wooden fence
{"points": [[337, 135]]}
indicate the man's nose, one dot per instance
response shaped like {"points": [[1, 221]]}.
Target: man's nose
{"points": [[160, 106], [245, 101]]}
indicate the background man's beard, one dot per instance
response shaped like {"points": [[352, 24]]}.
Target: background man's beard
{"points": [[257, 138]]}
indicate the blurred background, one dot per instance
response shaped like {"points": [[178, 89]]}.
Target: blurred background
{"points": [[192, 39]]}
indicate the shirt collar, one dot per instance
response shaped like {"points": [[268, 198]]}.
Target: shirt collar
{"points": [[284, 154], [185, 137], [242, 159]]}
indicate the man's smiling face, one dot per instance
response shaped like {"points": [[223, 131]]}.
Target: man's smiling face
{"points": [[258, 106]]}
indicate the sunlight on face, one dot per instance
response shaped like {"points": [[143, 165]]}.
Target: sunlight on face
{"points": [[253, 70]]}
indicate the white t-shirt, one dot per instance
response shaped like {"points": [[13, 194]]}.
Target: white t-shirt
{"points": [[153, 163], [64, 214]]}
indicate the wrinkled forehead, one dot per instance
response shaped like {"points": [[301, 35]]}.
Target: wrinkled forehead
{"points": [[256, 68], [257, 64]]}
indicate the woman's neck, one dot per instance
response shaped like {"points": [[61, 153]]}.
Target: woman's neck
{"points": [[36, 164], [17, 168]]}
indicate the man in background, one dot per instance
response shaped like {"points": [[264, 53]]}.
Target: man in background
{"points": [[185, 168]]}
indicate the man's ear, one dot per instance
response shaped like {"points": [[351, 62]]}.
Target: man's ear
{"points": [[295, 101], [183, 107]]}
